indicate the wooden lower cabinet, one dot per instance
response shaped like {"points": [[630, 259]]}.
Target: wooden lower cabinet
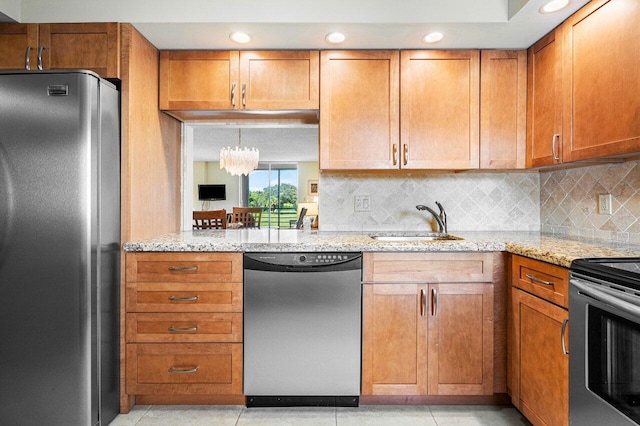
{"points": [[394, 340], [539, 341], [184, 369], [428, 339], [183, 328], [542, 392]]}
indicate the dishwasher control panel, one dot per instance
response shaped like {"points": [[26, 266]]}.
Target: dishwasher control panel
{"points": [[323, 258], [307, 259]]}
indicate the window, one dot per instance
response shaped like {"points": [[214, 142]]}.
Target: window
{"points": [[274, 187]]}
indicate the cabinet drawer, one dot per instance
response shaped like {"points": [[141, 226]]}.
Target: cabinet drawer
{"points": [[184, 267], [193, 328], [545, 280], [184, 369], [428, 267], [184, 297]]}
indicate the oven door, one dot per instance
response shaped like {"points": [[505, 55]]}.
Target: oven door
{"points": [[604, 363]]}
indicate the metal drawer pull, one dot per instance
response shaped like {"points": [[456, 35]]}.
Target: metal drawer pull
{"points": [[395, 154], [183, 370], [233, 95], [27, 60], [183, 299], [434, 302], [553, 146], [562, 336], [405, 153], [40, 49], [423, 303], [538, 280], [244, 97], [183, 268], [183, 329]]}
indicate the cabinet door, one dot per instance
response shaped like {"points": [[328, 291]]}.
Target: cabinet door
{"points": [[544, 101], [542, 384], [460, 339], [94, 46], [394, 352], [199, 80], [14, 40], [280, 80], [503, 109], [601, 80], [439, 111], [359, 100]]}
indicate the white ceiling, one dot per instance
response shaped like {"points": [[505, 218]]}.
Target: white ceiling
{"points": [[292, 24], [275, 143]]}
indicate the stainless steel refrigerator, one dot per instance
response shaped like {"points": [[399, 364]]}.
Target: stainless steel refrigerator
{"points": [[59, 248]]}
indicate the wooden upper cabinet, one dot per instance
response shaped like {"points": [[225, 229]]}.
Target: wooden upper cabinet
{"points": [[601, 80], [227, 80], [280, 80], [15, 39], [198, 80], [544, 99], [359, 103], [94, 47], [503, 109], [439, 109]]}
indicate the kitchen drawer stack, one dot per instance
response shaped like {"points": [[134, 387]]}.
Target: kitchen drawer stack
{"points": [[539, 341], [183, 326]]}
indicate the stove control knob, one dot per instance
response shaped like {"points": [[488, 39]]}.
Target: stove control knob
{"points": [[303, 258]]}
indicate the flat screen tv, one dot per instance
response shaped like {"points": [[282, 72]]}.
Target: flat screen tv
{"points": [[212, 192]]}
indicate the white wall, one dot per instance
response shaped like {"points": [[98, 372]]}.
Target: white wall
{"points": [[11, 8], [306, 171], [209, 172]]}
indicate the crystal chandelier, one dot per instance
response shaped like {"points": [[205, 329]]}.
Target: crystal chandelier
{"points": [[239, 161]]}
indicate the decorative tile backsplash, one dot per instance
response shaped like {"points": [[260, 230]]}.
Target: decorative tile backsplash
{"points": [[569, 201], [473, 201]]}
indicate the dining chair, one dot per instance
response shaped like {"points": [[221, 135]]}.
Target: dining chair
{"points": [[250, 217], [211, 219], [297, 223]]}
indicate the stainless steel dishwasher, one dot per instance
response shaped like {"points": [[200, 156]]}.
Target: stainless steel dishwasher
{"points": [[302, 328]]}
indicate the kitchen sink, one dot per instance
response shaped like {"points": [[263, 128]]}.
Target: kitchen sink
{"points": [[415, 238]]}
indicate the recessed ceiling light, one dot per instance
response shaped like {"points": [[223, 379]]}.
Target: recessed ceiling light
{"points": [[335, 38], [554, 6], [240, 37], [432, 37]]}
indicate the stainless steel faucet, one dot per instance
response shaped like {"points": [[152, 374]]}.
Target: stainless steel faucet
{"points": [[441, 217]]}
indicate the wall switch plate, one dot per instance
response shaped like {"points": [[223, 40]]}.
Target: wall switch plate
{"points": [[362, 203], [604, 204]]}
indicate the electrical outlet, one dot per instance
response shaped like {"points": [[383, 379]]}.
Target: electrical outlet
{"points": [[362, 203], [604, 204]]}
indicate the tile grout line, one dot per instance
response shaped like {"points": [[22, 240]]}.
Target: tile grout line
{"points": [[144, 414]]}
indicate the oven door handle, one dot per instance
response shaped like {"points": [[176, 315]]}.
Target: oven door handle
{"points": [[607, 297]]}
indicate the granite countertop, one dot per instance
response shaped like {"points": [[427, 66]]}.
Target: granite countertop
{"points": [[558, 250]]}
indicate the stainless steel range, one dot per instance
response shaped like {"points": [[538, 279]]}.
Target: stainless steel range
{"points": [[604, 362]]}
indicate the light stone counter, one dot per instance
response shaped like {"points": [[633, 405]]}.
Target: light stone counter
{"points": [[553, 249]]}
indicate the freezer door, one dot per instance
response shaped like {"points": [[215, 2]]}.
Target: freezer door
{"points": [[48, 167]]}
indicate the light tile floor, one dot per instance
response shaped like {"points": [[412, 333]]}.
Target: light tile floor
{"points": [[366, 415]]}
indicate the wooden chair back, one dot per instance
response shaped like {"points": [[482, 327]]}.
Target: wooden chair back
{"points": [[212, 219], [250, 217], [303, 211]]}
